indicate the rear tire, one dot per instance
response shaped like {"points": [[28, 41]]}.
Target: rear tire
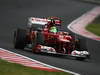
{"points": [[20, 36]]}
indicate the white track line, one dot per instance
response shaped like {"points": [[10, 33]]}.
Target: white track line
{"points": [[74, 73]]}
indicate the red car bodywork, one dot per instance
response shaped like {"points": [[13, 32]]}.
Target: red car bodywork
{"points": [[61, 41], [42, 40]]}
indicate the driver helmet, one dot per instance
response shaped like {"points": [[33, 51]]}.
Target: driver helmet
{"points": [[53, 29]]}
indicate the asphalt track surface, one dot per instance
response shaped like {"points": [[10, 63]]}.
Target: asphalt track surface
{"points": [[14, 14]]}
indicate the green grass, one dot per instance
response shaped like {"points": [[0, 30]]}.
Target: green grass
{"points": [[7, 68], [94, 27]]}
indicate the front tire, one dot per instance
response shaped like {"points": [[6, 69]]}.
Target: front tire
{"points": [[80, 58], [81, 44], [38, 40]]}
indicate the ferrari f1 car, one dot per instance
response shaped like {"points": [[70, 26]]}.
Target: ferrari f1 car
{"points": [[39, 38]]}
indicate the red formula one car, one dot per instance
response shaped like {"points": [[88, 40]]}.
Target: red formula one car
{"points": [[42, 35]]}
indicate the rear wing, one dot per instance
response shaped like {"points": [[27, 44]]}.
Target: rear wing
{"points": [[42, 21]]}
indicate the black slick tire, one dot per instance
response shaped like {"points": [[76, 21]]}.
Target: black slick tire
{"points": [[20, 39]]}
